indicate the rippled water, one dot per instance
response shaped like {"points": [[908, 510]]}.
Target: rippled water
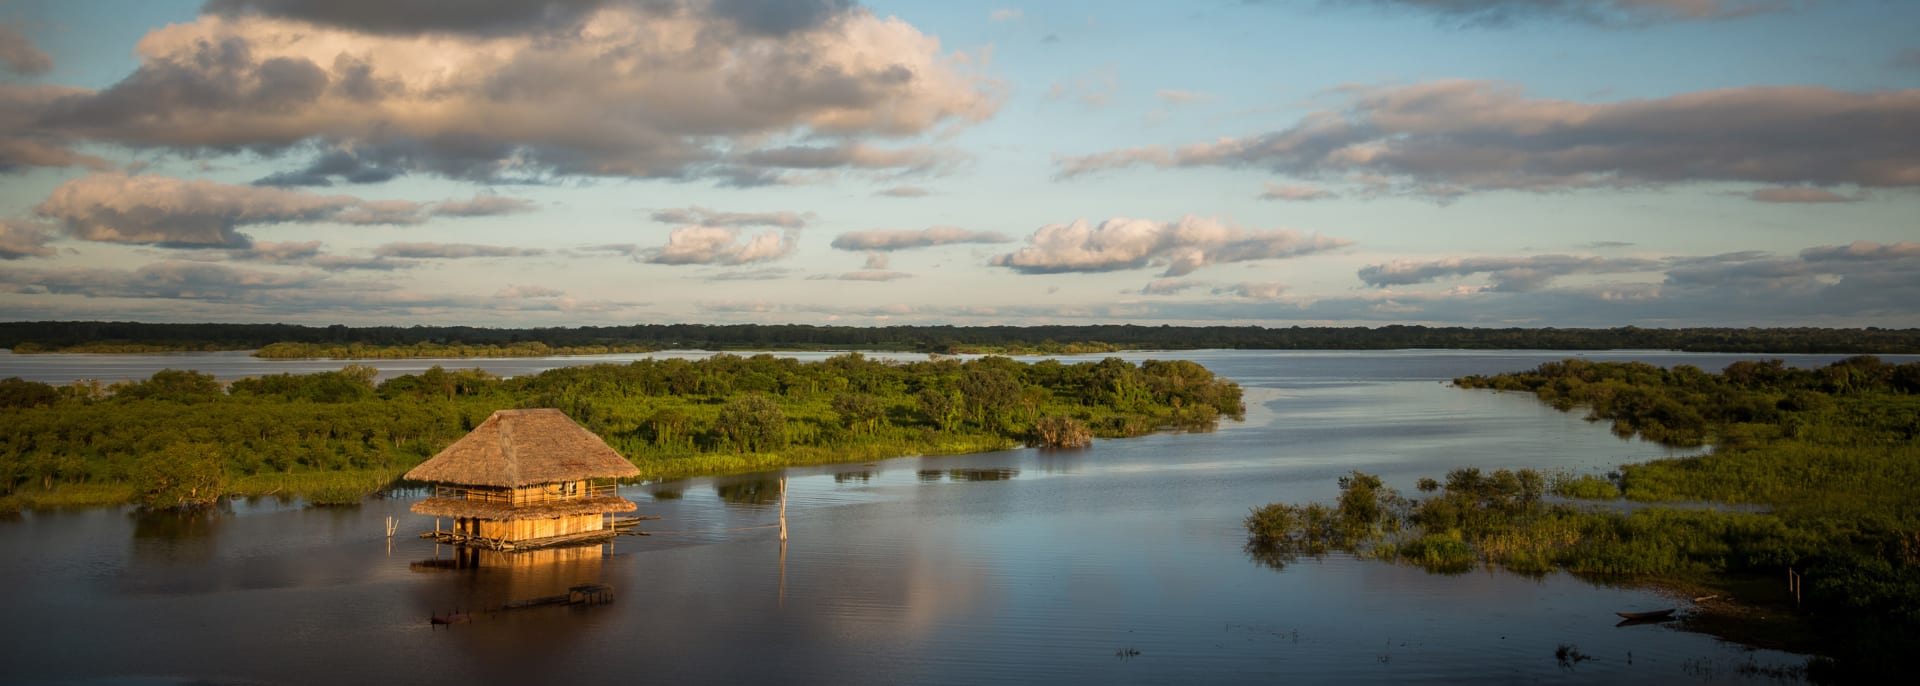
{"points": [[1021, 566]]}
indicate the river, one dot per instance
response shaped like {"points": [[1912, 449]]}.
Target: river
{"points": [[1121, 563]]}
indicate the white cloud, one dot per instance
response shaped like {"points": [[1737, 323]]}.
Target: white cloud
{"points": [[886, 239], [1182, 247], [720, 245], [666, 88], [1505, 273]]}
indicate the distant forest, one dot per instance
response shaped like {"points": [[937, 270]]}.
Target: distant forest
{"points": [[108, 337]]}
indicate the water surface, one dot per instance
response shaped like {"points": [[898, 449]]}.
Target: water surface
{"points": [[1023, 566]]}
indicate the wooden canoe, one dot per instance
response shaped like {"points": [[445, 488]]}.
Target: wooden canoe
{"points": [[1644, 616]]}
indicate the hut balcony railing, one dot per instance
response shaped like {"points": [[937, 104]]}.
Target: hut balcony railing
{"points": [[520, 497]]}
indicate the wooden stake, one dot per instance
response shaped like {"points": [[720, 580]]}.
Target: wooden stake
{"points": [[783, 513]]}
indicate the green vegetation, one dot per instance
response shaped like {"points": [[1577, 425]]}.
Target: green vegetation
{"points": [[1831, 453], [180, 437], [26, 337]]}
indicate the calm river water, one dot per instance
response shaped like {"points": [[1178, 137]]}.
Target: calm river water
{"points": [[1022, 566]]}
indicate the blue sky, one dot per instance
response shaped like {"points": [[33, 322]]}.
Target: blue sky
{"points": [[1477, 162]]}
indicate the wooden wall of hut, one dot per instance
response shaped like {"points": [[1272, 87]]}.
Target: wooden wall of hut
{"points": [[528, 529]]}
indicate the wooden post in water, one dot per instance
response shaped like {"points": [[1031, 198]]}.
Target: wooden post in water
{"points": [[783, 515]]}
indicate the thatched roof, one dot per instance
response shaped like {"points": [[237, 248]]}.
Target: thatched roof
{"points": [[461, 507], [522, 448]]}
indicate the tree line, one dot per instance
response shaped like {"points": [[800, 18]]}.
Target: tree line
{"points": [[52, 336], [182, 436]]}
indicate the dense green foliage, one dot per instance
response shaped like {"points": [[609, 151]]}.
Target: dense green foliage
{"points": [[23, 337], [672, 417], [1831, 452]]}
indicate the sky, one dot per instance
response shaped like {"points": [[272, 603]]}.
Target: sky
{"points": [[517, 163]]}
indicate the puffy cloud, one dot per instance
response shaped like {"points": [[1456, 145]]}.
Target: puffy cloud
{"points": [[161, 210], [1510, 274], [23, 239], [1450, 137], [1295, 193], [1799, 194], [1182, 246], [707, 217], [118, 208], [18, 55], [450, 251], [907, 239], [903, 192], [1602, 12], [525, 91], [484, 17], [720, 245]]}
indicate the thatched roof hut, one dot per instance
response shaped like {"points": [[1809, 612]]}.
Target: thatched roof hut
{"points": [[525, 478], [516, 448]]}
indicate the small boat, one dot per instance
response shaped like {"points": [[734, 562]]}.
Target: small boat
{"points": [[1651, 615]]}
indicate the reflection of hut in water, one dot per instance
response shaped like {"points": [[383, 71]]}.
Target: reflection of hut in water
{"points": [[506, 579], [524, 479]]}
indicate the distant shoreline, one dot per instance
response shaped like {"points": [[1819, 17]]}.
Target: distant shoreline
{"points": [[386, 342]]}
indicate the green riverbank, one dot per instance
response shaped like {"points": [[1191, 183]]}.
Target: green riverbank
{"points": [[181, 437]]}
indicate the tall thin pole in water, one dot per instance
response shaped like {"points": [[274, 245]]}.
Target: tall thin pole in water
{"points": [[783, 542]]}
